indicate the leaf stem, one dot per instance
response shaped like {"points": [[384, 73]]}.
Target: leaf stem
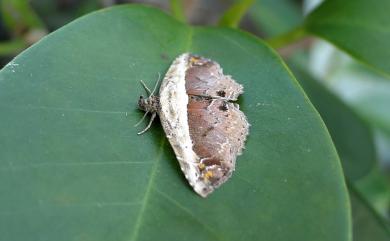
{"points": [[232, 17], [177, 10], [12, 47], [18, 15], [287, 38]]}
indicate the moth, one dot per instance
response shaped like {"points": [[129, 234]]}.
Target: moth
{"points": [[206, 130]]}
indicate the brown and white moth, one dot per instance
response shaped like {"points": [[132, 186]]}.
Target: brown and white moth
{"points": [[205, 129]]}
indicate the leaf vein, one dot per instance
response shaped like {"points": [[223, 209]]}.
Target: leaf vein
{"points": [[138, 222], [188, 212], [32, 107]]}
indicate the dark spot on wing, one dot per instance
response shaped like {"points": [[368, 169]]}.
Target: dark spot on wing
{"points": [[211, 162], [223, 107], [221, 93], [207, 131]]}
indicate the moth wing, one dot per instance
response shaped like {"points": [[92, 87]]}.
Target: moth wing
{"points": [[205, 77], [218, 130], [205, 131]]}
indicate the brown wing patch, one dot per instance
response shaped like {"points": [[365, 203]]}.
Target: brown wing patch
{"points": [[218, 130], [205, 77]]}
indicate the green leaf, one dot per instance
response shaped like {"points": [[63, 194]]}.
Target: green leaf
{"points": [[375, 189], [367, 225], [357, 86], [352, 136], [369, 95], [366, 91], [359, 27], [275, 17], [73, 168], [232, 17]]}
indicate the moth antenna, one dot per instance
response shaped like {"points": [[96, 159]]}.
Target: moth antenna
{"points": [[146, 87], [155, 87], [149, 125], [142, 119]]}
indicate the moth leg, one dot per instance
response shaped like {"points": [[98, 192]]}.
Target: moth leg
{"points": [[150, 123], [155, 86], [146, 87], [142, 119]]}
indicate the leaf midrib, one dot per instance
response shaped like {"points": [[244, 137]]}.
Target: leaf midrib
{"points": [[147, 192]]}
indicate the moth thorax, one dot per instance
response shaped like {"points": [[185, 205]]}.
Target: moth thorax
{"points": [[150, 104]]}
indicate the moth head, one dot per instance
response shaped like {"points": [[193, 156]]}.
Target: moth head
{"points": [[142, 103]]}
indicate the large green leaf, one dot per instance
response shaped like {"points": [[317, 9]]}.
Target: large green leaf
{"points": [[73, 168], [359, 27]]}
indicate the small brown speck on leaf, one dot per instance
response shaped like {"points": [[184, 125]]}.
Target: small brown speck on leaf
{"points": [[164, 56]]}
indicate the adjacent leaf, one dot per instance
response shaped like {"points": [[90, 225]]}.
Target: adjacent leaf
{"points": [[73, 168], [375, 188], [352, 136], [382, 140], [367, 225], [359, 27], [367, 92], [275, 17]]}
